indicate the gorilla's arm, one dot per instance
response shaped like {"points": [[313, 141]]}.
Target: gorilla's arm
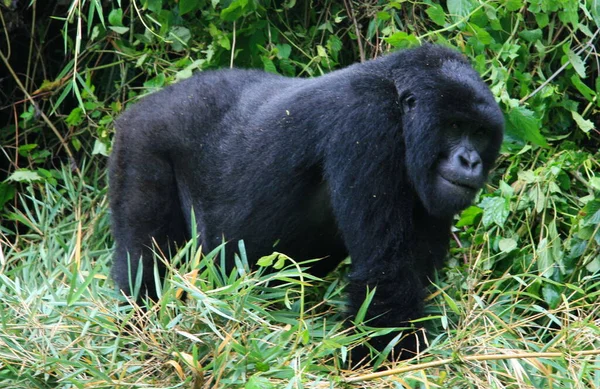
{"points": [[394, 244]]}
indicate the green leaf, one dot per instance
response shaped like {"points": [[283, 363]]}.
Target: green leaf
{"points": [[119, 30], [583, 124], [267, 260], [523, 125], [235, 10], [586, 91], [283, 50], [224, 42], [531, 35], [25, 150], [154, 5], [76, 143], [305, 336], [469, 216], [321, 51], [179, 37], [402, 39], [481, 35], [334, 45], [75, 118], [538, 196], [372, 29], [450, 303], [458, 9], [24, 175], [591, 211], [186, 6], [513, 5], [100, 148], [257, 382], [577, 63], [551, 296], [362, 311], [569, 13], [115, 17], [595, 11], [542, 20], [278, 265], [595, 183], [505, 189], [506, 245], [436, 14], [383, 15], [268, 64], [155, 83], [7, 193], [594, 265], [287, 67], [545, 261], [495, 211]]}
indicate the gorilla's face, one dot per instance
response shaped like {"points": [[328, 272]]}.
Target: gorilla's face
{"points": [[453, 131], [460, 170]]}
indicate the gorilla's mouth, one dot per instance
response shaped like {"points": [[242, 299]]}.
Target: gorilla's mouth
{"points": [[463, 184]]}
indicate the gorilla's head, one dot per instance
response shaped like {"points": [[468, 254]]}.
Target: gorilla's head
{"points": [[452, 129]]}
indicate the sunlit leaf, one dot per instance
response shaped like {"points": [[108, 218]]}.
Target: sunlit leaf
{"points": [[583, 124], [495, 211], [577, 63], [460, 8], [24, 175], [506, 245]]}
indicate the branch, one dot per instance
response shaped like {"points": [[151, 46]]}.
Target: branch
{"points": [[350, 11], [43, 115], [489, 357]]}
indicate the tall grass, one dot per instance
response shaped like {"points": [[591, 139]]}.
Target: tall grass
{"points": [[63, 325]]}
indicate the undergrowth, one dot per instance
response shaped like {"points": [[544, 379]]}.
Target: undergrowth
{"points": [[64, 325]]}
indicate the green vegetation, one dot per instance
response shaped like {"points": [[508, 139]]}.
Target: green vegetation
{"points": [[517, 306]]}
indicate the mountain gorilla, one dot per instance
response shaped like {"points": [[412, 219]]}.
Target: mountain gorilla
{"points": [[370, 161]]}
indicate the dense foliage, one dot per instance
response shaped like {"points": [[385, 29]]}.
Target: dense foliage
{"points": [[523, 272]]}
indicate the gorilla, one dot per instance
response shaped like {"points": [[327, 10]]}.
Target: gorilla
{"points": [[371, 161]]}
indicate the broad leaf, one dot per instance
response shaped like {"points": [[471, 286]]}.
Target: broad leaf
{"points": [[186, 6], [523, 124], [458, 9]]}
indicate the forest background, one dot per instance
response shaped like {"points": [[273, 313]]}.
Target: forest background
{"points": [[516, 306]]}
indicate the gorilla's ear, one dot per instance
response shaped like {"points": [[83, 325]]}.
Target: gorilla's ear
{"points": [[407, 102]]}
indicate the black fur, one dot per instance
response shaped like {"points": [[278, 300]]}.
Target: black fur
{"points": [[372, 161]]}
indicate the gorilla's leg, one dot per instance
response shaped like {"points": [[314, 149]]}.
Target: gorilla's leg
{"points": [[398, 298], [146, 208]]}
